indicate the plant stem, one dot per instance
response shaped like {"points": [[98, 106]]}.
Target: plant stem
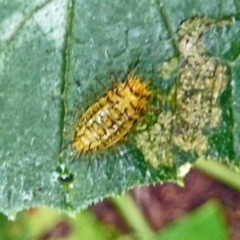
{"points": [[220, 172], [133, 216]]}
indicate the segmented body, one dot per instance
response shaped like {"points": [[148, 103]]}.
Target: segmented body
{"points": [[109, 119]]}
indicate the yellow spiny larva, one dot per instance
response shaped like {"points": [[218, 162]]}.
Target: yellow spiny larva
{"points": [[109, 119]]}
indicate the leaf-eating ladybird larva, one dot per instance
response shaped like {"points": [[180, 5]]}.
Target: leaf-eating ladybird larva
{"points": [[109, 119]]}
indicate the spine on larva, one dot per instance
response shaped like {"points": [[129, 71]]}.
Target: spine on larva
{"points": [[109, 119]]}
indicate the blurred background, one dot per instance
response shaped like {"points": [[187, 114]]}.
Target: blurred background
{"points": [[153, 212]]}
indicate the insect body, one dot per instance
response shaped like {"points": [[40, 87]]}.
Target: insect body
{"points": [[109, 119]]}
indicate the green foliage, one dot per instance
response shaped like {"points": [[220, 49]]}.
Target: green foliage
{"points": [[46, 47], [204, 223], [36, 223]]}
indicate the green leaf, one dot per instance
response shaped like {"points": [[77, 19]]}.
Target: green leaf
{"points": [[51, 53], [204, 223], [223, 42]]}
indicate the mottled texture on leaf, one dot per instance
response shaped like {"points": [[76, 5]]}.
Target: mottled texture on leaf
{"points": [[50, 56]]}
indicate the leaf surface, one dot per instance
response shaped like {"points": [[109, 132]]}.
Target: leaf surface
{"points": [[52, 52]]}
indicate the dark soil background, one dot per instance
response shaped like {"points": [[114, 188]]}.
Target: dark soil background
{"points": [[164, 203]]}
